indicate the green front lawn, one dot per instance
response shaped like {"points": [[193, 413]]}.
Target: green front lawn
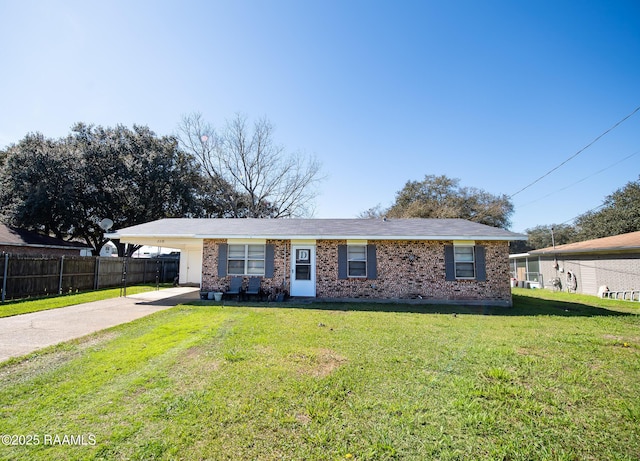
{"points": [[549, 379], [24, 306]]}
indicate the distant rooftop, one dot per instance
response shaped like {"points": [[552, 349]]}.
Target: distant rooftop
{"points": [[616, 243], [10, 236]]}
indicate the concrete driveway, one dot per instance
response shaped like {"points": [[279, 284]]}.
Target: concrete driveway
{"points": [[23, 334]]}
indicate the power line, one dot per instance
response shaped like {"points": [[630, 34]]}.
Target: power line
{"points": [[581, 180], [583, 213], [577, 153], [576, 217]]}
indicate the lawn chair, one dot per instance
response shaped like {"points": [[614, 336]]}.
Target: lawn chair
{"points": [[235, 287], [254, 287]]}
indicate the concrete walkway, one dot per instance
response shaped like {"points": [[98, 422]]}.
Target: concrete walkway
{"points": [[23, 334]]}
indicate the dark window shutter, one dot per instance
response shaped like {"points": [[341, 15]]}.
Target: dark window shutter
{"points": [[342, 262], [269, 260], [372, 263], [222, 260], [449, 264], [481, 267]]}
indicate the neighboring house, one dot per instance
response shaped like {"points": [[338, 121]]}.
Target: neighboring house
{"points": [[525, 269], [22, 242], [586, 266], [434, 260], [107, 250]]}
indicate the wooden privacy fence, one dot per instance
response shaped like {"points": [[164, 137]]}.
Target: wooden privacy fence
{"points": [[23, 276]]}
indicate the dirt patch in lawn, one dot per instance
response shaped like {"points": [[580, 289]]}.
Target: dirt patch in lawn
{"points": [[318, 363]]}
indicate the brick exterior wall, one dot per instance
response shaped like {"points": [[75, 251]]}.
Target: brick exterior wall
{"points": [[413, 270], [406, 270], [211, 281]]}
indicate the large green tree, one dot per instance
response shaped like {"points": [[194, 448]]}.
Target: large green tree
{"points": [[65, 187], [619, 214], [544, 236], [40, 186], [444, 197]]}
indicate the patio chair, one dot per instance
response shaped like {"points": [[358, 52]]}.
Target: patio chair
{"points": [[235, 287], [253, 289]]}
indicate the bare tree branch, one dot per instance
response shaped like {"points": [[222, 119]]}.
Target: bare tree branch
{"points": [[263, 179]]}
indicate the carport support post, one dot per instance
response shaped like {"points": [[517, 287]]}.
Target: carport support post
{"points": [[123, 287], [158, 274]]}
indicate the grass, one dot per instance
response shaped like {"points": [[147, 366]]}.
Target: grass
{"points": [[579, 300], [25, 306], [549, 379]]}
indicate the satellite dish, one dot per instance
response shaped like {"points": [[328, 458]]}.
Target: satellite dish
{"points": [[105, 224]]}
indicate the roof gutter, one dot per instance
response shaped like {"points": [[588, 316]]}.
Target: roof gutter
{"points": [[588, 250], [116, 235]]}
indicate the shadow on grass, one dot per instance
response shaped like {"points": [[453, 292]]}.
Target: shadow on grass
{"points": [[522, 306]]}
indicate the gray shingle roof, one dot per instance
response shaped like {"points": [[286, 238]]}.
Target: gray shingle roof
{"points": [[11, 236], [376, 229]]}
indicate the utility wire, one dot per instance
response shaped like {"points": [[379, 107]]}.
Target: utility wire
{"points": [[576, 217], [577, 153], [588, 211], [581, 180]]}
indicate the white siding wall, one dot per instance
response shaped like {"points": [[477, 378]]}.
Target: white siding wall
{"points": [[618, 272]]}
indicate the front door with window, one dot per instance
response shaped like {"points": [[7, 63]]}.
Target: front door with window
{"points": [[303, 270]]}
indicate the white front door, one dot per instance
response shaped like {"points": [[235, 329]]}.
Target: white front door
{"points": [[303, 270], [191, 266]]}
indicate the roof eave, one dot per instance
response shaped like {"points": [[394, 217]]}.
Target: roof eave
{"points": [[116, 235], [40, 245], [632, 249]]}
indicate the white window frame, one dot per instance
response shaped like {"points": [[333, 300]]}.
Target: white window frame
{"points": [[457, 260], [350, 259], [246, 259]]}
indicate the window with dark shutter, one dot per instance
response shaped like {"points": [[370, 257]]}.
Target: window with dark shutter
{"points": [[464, 258], [245, 259], [465, 262], [357, 261]]}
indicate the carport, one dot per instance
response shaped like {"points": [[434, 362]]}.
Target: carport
{"points": [[190, 251]]}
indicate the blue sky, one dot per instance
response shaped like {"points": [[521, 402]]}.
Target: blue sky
{"points": [[495, 93]]}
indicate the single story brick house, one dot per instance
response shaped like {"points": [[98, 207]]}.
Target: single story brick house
{"points": [[433, 260], [584, 267]]}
